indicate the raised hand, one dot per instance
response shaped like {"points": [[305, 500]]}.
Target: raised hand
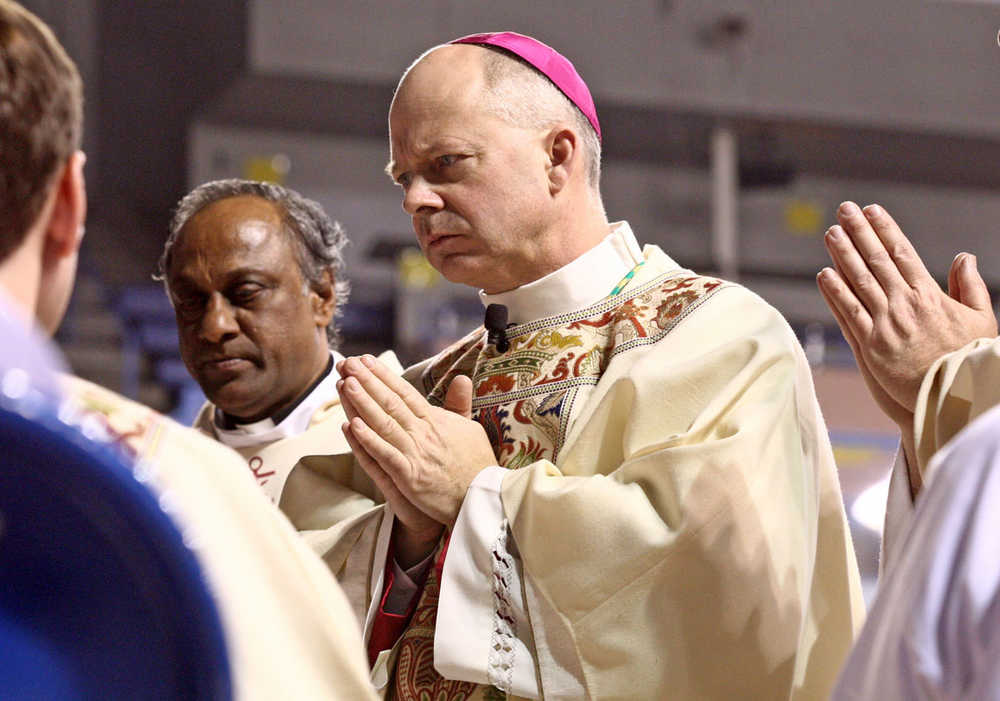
{"points": [[894, 315], [422, 457]]}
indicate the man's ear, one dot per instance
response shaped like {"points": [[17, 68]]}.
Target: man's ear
{"points": [[64, 229], [564, 157], [324, 299]]}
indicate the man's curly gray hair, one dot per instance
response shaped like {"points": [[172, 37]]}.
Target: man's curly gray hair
{"points": [[319, 240]]}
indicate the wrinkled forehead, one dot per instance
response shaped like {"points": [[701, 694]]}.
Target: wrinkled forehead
{"points": [[243, 220], [232, 231]]}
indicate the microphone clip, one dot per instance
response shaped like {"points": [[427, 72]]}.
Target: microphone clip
{"points": [[496, 327]]}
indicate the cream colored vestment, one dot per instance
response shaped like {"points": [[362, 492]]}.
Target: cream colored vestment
{"points": [[318, 485], [672, 500], [289, 629], [957, 388]]}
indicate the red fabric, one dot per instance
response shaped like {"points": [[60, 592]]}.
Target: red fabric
{"points": [[388, 627]]}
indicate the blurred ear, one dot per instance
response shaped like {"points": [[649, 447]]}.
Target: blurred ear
{"points": [[564, 157], [324, 300], [64, 229]]}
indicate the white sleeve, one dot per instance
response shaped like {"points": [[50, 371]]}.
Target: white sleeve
{"points": [[932, 631], [482, 633]]}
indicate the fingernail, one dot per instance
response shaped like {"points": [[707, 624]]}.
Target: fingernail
{"points": [[340, 385], [351, 383], [848, 208], [834, 232], [368, 361], [873, 210]]}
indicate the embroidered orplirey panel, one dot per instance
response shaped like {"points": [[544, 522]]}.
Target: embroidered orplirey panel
{"points": [[525, 397], [458, 359], [500, 669], [414, 677]]}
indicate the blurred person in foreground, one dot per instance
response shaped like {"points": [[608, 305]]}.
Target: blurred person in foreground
{"points": [[932, 362], [254, 272], [645, 504], [288, 627]]}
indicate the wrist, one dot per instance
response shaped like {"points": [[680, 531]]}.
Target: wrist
{"points": [[411, 546]]}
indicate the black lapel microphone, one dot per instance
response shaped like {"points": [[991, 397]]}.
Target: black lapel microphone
{"points": [[496, 327]]}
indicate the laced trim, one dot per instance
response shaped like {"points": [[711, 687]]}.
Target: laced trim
{"points": [[500, 669]]}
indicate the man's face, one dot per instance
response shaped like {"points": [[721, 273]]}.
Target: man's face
{"points": [[251, 333], [474, 185]]}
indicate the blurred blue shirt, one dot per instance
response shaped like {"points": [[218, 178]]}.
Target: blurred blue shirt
{"points": [[24, 348]]}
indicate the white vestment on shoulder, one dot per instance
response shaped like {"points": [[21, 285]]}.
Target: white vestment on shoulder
{"points": [[957, 388], [933, 631], [290, 630]]}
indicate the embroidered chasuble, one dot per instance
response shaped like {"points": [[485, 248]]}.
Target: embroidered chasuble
{"points": [[290, 631], [671, 512], [415, 678]]}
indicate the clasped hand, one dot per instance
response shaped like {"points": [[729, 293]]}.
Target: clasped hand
{"points": [[423, 458], [893, 314]]}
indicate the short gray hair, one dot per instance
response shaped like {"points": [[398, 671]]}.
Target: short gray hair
{"points": [[523, 96], [319, 240]]}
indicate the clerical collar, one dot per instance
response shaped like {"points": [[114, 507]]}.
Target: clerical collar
{"points": [[588, 279], [289, 422]]}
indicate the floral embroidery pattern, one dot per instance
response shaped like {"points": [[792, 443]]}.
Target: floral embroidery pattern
{"points": [[415, 677], [492, 419], [524, 397]]}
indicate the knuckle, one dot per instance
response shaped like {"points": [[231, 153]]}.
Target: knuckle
{"points": [[901, 251], [855, 311], [866, 282], [879, 258], [925, 297], [392, 404], [385, 426]]}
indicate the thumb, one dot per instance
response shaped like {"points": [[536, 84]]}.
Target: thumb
{"points": [[966, 285], [458, 398]]}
